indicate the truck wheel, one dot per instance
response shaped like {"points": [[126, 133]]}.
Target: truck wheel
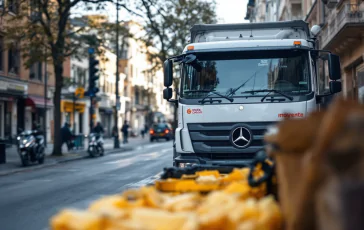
{"points": [[151, 139], [174, 155]]}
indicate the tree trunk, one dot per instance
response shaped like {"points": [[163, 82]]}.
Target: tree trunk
{"points": [[57, 147]]}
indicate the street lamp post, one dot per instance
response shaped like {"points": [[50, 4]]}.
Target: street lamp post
{"points": [[45, 101], [117, 104], [74, 112]]}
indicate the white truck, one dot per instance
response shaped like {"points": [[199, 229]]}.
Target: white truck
{"points": [[236, 80]]}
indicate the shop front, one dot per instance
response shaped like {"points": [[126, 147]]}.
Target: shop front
{"points": [[75, 114], [12, 95], [106, 119], [39, 112]]}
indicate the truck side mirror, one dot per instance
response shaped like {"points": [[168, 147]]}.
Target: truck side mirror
{"points": [[167, 93], [168, 73], [335, 86], [334, 67]]}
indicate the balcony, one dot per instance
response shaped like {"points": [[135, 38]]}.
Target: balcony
{"points": [[343, 25]]}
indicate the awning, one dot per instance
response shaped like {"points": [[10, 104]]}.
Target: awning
{"points": [[67, 106], [37, 102]]}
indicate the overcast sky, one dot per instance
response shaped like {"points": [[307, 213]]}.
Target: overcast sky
{"points": [[231, 11], [228, 11]]}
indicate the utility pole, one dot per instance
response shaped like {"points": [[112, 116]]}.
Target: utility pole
{"points": [[45, 98], [117, 104], [74, 111]]}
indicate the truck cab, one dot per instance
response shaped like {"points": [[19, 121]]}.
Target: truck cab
{"points": [[238, 79]]}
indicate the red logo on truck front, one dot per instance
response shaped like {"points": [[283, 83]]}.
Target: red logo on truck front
{"points": [[290, 115], [194, 111]]}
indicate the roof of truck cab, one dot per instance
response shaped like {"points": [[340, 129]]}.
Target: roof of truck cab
{"points": [[201, 28], [246, 44]]}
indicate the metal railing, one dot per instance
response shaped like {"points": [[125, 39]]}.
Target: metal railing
{"points": [[349, 13]]}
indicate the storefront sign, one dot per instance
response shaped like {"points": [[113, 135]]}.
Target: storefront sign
{"points": [[4, 85], [67, 106], [16, 87]]}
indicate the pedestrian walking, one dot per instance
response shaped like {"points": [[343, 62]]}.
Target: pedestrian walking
{"points": [[125, 131], [66, 135], [146, 128]]}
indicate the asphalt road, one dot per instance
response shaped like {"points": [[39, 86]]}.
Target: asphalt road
{"points": [[29, 199]]}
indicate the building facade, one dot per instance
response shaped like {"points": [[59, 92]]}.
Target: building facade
{"points": [[342, 29], [107, 102], [342, 33], [25, 100]]}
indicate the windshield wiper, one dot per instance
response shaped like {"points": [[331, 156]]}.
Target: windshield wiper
{"points": [[216, 93], [269, 91], [233, 91]]}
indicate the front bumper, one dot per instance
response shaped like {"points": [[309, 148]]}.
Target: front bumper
{"points": [[195, 160]]}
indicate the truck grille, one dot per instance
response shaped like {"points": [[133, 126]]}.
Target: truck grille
{"points": [[211, 140]]}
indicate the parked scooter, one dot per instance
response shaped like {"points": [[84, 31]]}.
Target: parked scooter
{"points": [[95, 145], [31, 147]]}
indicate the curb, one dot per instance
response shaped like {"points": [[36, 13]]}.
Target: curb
{"points": [[61, 161]]}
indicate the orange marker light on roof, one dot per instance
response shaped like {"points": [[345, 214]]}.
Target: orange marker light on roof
{"points": [[297, 43], [190, 47]]}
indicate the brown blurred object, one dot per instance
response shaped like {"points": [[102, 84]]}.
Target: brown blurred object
{"points": [[289, 146], [314, 157], [340, 203]]}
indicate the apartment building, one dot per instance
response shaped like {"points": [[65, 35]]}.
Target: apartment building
{"points": [[342, 33], [342, 23], [107, 85], [24, 99]]}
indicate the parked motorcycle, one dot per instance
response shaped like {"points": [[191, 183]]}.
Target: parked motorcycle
{"points": [[95, 145], [31, 147]]}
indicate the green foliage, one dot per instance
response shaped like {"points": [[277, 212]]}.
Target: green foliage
{"points": [[167, 24]]}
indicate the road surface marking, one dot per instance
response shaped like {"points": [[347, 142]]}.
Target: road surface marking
{"points": [[144, 182]]}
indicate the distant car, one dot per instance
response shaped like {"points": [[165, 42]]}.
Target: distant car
{"points": [[160, 131]]}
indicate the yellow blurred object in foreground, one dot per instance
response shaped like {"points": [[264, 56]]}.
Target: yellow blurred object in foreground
{"points": [[231, 204], [189, 211]]}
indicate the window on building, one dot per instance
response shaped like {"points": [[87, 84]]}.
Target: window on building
{"points": [[74, 71], [81, 76], [1, 53], [360, 82], [136, 96], [14, 59], [35, 71], [13, 6]]}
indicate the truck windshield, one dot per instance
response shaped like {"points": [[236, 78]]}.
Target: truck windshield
{"points": [[239, 73]]}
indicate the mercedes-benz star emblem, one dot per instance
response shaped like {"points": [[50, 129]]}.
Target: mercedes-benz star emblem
{"points": [[241, 137]]}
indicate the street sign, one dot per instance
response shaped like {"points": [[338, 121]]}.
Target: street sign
{"points": [[80, 92], [118, 105], [91, 50]]}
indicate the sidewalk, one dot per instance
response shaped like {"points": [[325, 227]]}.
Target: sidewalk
{"points": [[13, 163]]}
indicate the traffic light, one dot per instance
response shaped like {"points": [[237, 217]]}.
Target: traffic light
{"points": [[93, 76]]}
